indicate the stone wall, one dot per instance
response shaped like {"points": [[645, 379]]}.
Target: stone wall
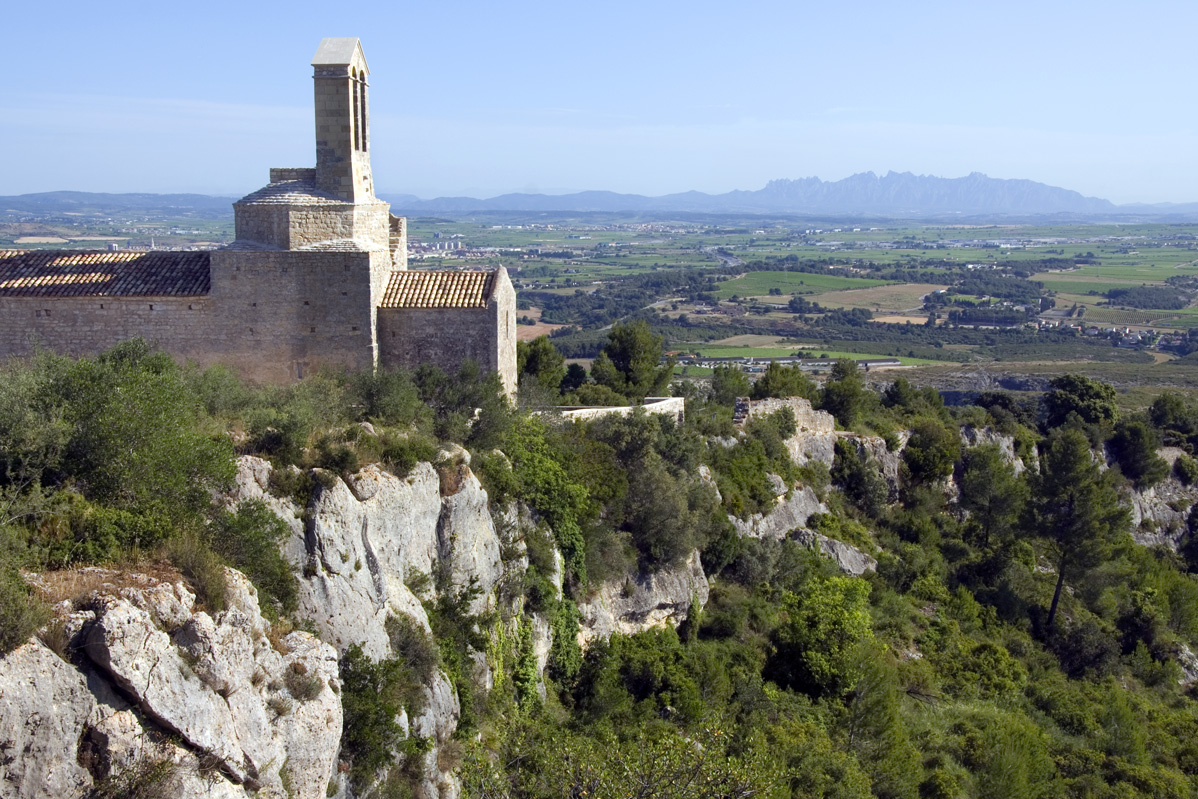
{"points": [[448, 337], [79, 326], [271, 316], [666, 406], [281, 315]]}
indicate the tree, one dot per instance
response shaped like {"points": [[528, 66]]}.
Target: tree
{"points": [[931, 452], [630, 362], [816, 647], [1075, 508], [784, 381], [991, 492], [539, 362], [844, 393], [136, 443], [860, 478], [1134, 447], [1091, 400], [729, 383]]}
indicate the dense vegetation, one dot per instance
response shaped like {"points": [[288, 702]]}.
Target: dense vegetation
{"points": [[1013, 641]]}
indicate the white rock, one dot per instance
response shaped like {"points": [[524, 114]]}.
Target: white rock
{"points": [[656, 599], [44, 704], [789, 514], [848, 558]]}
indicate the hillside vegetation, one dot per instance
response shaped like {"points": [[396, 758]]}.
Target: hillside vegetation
{"points": [[1013, 640]]}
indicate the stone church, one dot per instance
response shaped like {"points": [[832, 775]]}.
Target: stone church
{"points": [[316, 278]]}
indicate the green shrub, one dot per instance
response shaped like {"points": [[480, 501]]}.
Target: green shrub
{"points": [[414, 646], [371, 701], [816, 647], [21, 612], [83, 532], [249, 539], [1185, 469], [203, 568], [565, 656]]}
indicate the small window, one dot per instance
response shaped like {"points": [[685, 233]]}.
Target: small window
{"points": [[312, 330], [354, 327], [101, 306], [151, 306], [307, 303]]}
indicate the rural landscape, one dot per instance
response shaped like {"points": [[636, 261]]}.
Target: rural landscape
{"points": [[645, 401]]}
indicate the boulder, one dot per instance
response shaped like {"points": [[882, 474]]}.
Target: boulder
{"points": [[848, 558], [44, 708], [653, 599], [790, 513]]}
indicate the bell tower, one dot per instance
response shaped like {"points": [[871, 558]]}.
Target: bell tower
{"points": [[340, 74]]}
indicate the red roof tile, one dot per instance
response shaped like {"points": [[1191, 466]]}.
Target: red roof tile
{"points": [[427, 289]]}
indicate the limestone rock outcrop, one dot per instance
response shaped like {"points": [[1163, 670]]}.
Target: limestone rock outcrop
{"points": [[360, 541], [204, 704], [653, 599], [44, 709], [848, 558], [789, 514]]}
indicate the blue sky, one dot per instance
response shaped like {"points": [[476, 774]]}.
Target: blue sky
{"points": [[650, 97]]}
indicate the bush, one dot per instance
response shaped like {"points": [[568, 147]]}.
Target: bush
{"points": [[202, 567], [21, 612], [249, 539], [817, 646], [1134, 448], [1185, 469], [136, 442], [371, 700]]}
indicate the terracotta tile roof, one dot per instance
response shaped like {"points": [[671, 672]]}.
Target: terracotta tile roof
{"points": [[426, 289], [70, 273]]}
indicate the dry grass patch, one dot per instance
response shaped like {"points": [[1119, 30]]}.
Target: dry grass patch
{"points": [[78, 586], [895, 298], [747, 340]]}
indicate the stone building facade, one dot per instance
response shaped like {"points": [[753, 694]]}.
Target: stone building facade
{"points": [[316, 277]]}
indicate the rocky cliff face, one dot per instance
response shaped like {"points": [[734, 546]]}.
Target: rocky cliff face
{"points": [[161, 691], [648, 600]]}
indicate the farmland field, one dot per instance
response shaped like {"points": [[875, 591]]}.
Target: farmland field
{"points": [[758, 284], [890, 297], [803, 351]]}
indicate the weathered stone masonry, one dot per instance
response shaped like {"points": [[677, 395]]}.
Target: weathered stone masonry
{"points": [[317, 276]]}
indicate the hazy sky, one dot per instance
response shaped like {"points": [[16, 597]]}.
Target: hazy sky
{"points": [[650, 97]]}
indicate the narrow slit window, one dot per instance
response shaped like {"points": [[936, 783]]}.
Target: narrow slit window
{"points": [[362, 104], [357, 121]]}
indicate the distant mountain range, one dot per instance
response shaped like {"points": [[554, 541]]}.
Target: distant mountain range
{"points": [[897, 195]]}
